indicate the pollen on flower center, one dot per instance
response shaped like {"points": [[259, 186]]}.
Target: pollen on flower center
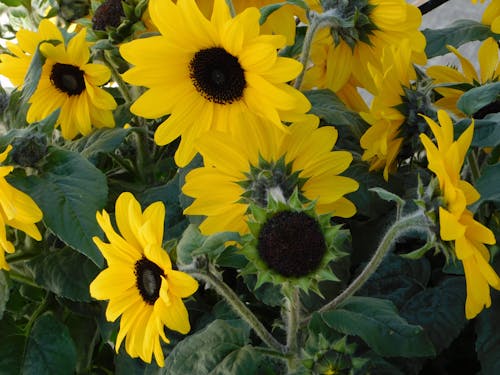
{"points": [[217, 75], [148, 280], [291, 243], [68, 79]]}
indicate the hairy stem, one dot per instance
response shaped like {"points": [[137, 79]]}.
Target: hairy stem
{"points": [[292, 325], [240, 308], [414, 221]]}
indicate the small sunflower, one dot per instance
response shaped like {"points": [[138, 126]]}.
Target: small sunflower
{"points": [[456, 222], [17, 210], [67, 82], [489, 71], [289, 244], [139, 283], [375, 24], [245, 167], [206, 73]]}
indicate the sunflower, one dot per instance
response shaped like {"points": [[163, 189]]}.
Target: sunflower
{"points": [[17, 210], [205, 73], [489, 71], [259, 160], [456, 222], [382, 141], [67, 82], [376, 23], [139, 282], [491, 16]]}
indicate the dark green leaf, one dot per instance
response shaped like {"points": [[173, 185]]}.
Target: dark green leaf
{"points": [[487, 331], [4, 292], [125, 365], [458, 33], [69, 190], [377, 322], [478, 97], [100, 141], [191, 240], [488, 185], [439, 310], [50, 349], [12, 343], [219, 347], [397, 279], [267, 10], [65, 273], [486, 131]]}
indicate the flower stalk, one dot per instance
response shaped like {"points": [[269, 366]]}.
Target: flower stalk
{"points": [[292, 307], [415, 221]]}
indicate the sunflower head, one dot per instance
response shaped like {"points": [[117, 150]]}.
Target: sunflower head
{"points": [[290, 243]]}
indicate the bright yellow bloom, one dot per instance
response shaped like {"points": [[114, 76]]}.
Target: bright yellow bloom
{"points": [[206, 73], [491, 16], [68, 82], [456, 221], [139, 282], [392, 21], [258, 159], [489, 71], [382, 141], [17, 210]]}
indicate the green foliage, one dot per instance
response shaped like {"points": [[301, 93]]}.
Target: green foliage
{"points": [[378, 323], [267, 10], [49, 349], [478, 97], [486, 131], [70, 190], [458, 33], [4, 293], [488, 186], [220, 348]]}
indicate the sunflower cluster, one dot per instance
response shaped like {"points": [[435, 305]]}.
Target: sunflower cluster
{"points": [[259, 147]]}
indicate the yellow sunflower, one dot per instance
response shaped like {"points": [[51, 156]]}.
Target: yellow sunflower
{"points": [[489, 71], [205, 73], [352, 50], [139, 282], [259, 160], [491, 16], [456, 222], [382, 141], [17, 210]]}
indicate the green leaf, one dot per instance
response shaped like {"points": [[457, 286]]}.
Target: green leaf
{"points": [[397, 279], [439, 310], [220, 348], [487, 331], [487, 185], [50, 349], [4, 293], [69, 191], [478, 97], [100, 141], [11, 3], [458, 33], [12, 343], [267, 10], [486, 131], [125, 365], [65, 273], [193, 243], [377, 322], [388, 196]]}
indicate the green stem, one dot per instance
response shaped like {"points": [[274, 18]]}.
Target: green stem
{"points": [[39, 311], [18, 257], [474, 166], [19, 277], [292, 325], [414, 221], [317, 21], [270, 352], [230, 5], [240, 308], [122, 86]]}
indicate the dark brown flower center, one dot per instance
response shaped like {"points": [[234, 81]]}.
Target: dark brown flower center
{"points": [[68, 79], [217, 75], [291, 244], [148, 280]]}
